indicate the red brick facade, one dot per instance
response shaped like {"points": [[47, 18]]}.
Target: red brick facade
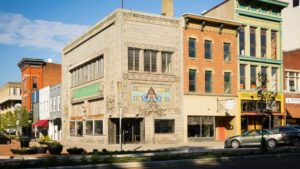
{"points": [[217, 64], [46, 74]]}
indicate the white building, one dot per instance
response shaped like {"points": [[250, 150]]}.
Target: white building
{"points": [[291, 25]]}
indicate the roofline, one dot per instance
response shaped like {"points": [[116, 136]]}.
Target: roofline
{"points": [[33, 61], [274, 2], [215, 7], [102, 24], [291, 50], [212, 19]]}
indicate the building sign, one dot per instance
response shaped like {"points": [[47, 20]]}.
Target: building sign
{"points": [[87, 91], [292, 100], [150, 93]]}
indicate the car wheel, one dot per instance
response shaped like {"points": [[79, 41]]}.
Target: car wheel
{"points": [[296, 141], [8, 142], [235, 144], [272, 143]]}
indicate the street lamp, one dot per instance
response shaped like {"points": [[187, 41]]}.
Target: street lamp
{"points": [[18, 108], [119, 85]]}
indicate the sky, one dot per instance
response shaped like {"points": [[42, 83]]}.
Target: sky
{"points": [[41, 28]]}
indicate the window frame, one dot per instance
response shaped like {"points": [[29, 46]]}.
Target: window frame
{"points": [[253, 41], [135, 59], [193, 49], [167, 67], [193, 81], [226, 84], [229, 51], [208, 50], [165, 128], [208, 83]]}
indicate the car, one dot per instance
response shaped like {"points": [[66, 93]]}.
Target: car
{"points": [[4, 139], [253, 138], [291, 134]]}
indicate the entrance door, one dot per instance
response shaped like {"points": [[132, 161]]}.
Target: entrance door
{"points": [[222, 133], [131, 130]]}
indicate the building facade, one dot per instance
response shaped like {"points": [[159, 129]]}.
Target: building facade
{"points": [[10, 95], [292, 86], [291, 25], [123, 74], [55, 112], [36, 74], [259, 51], [210, 77]]}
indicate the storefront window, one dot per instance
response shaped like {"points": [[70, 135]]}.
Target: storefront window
{"points": [[89, 127], [201, 126], [99, 127], [72, 128], [164, 126], [79, 128]]}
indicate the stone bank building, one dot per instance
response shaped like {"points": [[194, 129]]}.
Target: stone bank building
{"points": [[126, 66]]}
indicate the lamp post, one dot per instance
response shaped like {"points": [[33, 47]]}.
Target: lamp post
{"points": [[119, 85], [18, 108]]}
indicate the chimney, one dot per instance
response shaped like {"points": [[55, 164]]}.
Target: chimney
{"points": [[168, 8]]}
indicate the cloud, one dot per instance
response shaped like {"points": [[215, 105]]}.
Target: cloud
{"points": [[15, 29]]}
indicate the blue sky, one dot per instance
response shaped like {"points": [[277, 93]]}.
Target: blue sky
{"points": [[40, 28]]}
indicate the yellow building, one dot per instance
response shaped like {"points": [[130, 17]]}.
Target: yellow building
{"points": [[260, 51]]}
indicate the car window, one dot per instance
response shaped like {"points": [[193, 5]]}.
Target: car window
{"points": [[289, 129], [252, 133], [297, 127]]}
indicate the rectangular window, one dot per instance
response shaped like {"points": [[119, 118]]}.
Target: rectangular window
{"points": [[253, 41], [274, 45], [264, 77], [72, 128], [253, 77], [166, 62], [201, 126], [89, 127], [292, 85], [295, 3], [242, 40], [274, 79], [192, 47], [227, 83], [263, 40], [192, 80], [208, 49], [164, 126], [98, 127], [79, 128], [208, 81], [150, 61], [34, 82], [133, 59], [242, 77], [227, 51]]}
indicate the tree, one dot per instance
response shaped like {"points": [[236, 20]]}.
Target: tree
{"points": [[267, 98]]}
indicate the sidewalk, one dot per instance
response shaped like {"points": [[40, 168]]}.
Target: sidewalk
{"points": [[90, 146]]}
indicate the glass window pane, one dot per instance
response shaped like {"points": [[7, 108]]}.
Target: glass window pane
{"points": [[89, 127], [192, 80], [227, 51], [164, 126], [99, 127], [253, 42], [253, 77], [242, 76], [208, 49], [192, 47], [208, 81], [227, 83], [242, 41]]}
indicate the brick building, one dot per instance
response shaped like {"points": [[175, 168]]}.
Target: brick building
{"points": [[259, 51], [36, 74], [292, 86], [210, 77]]}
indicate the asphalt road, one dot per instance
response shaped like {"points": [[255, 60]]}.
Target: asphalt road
{"points": [[254, 162]]}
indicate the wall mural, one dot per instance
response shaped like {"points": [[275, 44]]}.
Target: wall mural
{"points": [[150, 93]]}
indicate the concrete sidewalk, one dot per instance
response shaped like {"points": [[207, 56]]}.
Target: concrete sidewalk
{"points": [[90, 146]]}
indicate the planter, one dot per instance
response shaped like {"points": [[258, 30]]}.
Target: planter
{"points": [[31, 150], [75, 150], [55, 149], [42, 150], [24, 141]]}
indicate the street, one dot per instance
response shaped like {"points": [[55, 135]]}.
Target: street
{"points": [[248, 163]]}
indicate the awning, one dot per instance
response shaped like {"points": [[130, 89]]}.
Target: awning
{"points": [[42, 123], [293, 111]]}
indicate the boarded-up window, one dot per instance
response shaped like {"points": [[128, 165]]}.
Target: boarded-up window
{"points": [[95, 106]]}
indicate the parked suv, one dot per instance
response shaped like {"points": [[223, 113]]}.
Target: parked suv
{"points": [[291, 134]]}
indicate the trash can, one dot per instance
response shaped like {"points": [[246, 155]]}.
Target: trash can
{"points": [[24, 140]]}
